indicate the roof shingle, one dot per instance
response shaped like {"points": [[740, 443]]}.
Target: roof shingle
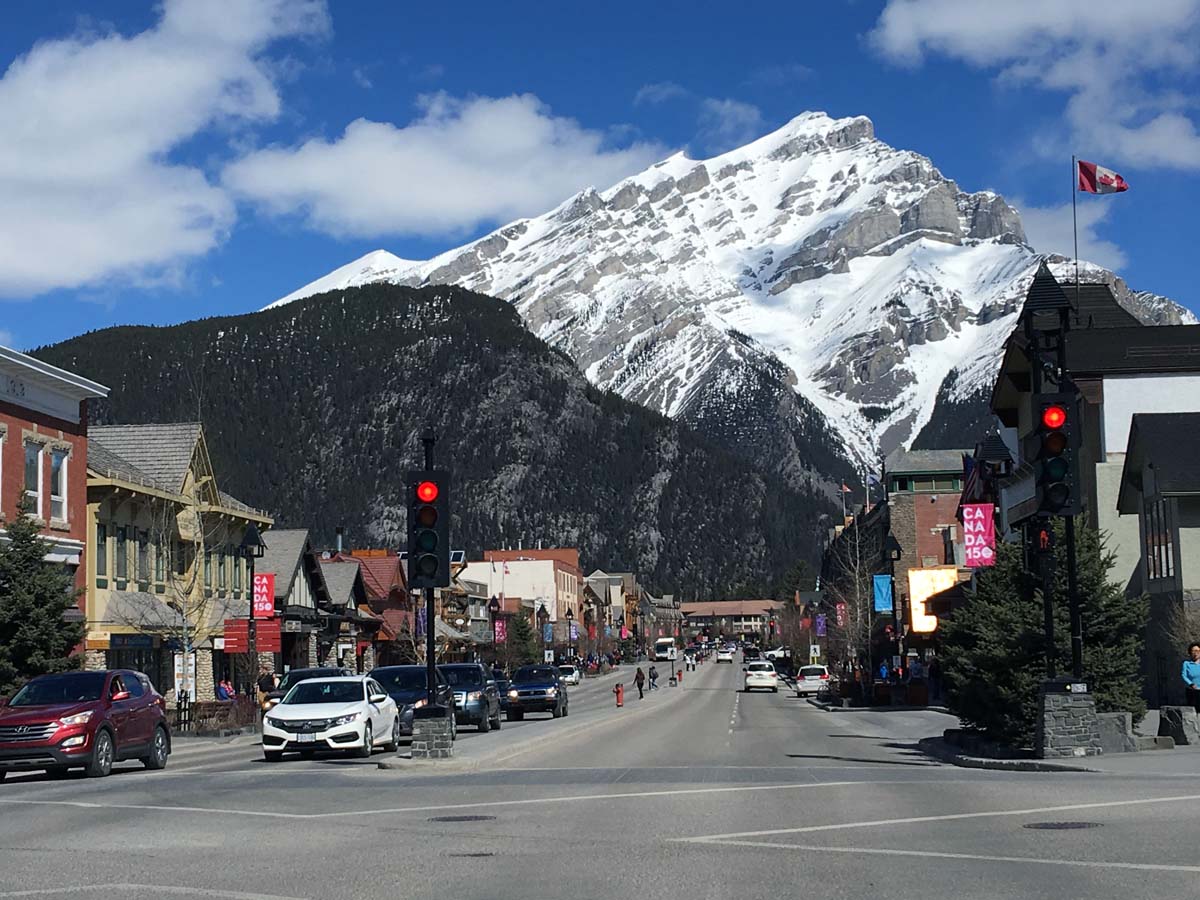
{"points": [[164, 451]]}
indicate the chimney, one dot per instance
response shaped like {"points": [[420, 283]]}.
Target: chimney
{"points": [[338, 532]]}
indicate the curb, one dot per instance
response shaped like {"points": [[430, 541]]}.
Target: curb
{"points": [[829, 707], [937, 748]]}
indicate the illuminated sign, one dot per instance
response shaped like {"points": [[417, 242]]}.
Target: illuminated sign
{"points": [[923, 584]]}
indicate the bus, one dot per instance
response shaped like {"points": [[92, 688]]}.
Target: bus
{"points": [[664, 648]]}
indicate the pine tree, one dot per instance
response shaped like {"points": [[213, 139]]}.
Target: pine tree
{"points": [[522, 642], [993, 648], [34, 594]]}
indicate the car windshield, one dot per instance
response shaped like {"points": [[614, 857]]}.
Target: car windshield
{"points": [[324, 692], [808, 671], [401, 679], [463, 675], [294, 677], [529, 674], [567, 670], [72, 687]]}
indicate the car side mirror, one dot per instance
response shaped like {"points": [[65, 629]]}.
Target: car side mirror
{"points": [[119, 696], [379, 698]]}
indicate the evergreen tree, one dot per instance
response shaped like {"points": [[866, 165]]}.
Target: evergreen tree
{"points": [[799, 577], [993, 648], [34, 594], [523, 647]]}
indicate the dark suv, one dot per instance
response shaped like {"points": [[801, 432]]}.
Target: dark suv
{"points": [[84, 720], [536, 689], [476, 701], [407, 685], [295, 676]]}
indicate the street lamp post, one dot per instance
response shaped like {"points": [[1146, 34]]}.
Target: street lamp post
{"points": [[894, 551], [251, 548], [542, 618], [570, 616]]}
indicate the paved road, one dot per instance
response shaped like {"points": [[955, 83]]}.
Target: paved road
{"points": [[699, 792]]}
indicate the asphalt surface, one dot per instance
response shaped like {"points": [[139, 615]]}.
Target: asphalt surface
{"points": [[695, 792]]}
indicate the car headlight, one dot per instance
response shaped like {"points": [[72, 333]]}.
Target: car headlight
{"points": [[513, 695], [475, 695], [75, 741], [551, 691], [276, 723], [346, 720], [77, 719], [422, 702]]}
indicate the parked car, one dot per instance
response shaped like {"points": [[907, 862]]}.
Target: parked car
{"points": [[476, 701], [407, 685], [725, 655], [85, 720], [761, 674], [536, 689], [811, 680], [749, 652], [570, 674], [344, 713], [295, 676]]}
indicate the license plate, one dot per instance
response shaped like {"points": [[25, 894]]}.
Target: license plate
{"points": [[306, 738]]}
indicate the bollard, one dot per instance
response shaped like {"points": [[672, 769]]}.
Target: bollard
{"points": [[619, 690], [679, 675]]}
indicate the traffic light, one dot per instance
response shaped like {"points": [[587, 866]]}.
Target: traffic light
{"points": [[428, 529], [1056, 453], [1039, 547]]}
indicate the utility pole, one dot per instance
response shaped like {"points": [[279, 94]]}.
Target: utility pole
{"points": [[429, 439]]}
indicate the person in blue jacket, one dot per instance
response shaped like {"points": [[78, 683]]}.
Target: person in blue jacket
{"points": [[1191, 676]]}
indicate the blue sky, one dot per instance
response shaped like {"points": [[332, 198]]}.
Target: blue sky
{"points": [[205, 157]]}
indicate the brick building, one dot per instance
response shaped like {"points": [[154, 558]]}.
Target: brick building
{"points": [[923, 488]]}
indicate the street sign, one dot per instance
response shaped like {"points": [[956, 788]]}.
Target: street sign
{"points": [[268, 636], [292, 626], [237, 636], [814, 651], [548, 656], [263, 603]]}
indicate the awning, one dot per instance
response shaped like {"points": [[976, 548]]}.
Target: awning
{"points": [[449, 633]]}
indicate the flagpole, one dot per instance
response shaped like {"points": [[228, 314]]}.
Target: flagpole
{"points": [[1075, 224]]}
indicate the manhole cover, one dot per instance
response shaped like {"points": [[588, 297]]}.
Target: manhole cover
{"points": [[462, 818], [471, 855], [1060, 826]]}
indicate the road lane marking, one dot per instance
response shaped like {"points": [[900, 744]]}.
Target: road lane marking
{"points": [[935, 854], [890, 823], [146, 807], [155, 889]]}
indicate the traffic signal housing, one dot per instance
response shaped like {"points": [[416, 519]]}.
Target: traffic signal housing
{"points": [[428, 529], [1056, 437]]}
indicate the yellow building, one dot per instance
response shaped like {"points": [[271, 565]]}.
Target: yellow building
{"points": [[166, 571]]}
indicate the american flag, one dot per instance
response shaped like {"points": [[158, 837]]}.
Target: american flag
{"points": [[972, 480]]}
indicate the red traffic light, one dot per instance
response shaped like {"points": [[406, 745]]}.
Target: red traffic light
{"points": [[1054, 416], [427, 491]]}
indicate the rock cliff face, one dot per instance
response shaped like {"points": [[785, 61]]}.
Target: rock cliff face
{"points": [[804, 298]]}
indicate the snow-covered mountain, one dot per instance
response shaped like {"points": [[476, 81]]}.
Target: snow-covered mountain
{"points": [[805, 296]]}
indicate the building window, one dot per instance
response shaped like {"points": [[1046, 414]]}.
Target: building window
{"points": [[122, 553], [221, 568], [101, 550], [181, 559], [160, 561], [237, 569], [1158, 540], [58, 485], [208, 568], [143, 556], [33, 476]]}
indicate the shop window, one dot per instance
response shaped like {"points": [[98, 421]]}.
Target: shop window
{"points": [[221, 569], [58, 485], [33, 477], [101, 550]]}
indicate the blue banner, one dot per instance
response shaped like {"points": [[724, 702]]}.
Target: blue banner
{"points": [[883, 593], [548, 633]]}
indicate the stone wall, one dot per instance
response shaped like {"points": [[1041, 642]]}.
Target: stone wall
{"points": [[206, 688], [95, 660], [312, 651], [432, 739], [369, 658], [1068, 726]]}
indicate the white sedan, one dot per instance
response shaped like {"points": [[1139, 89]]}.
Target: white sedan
{"points": [[761, 674], [349, 713], [725, 655], [570, 674]]}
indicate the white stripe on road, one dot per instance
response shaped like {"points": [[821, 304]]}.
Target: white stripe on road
{"points": [[153, 889], [890, 823], [935, 854]]}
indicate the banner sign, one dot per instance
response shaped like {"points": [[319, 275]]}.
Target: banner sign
{"points": [[574, 632], [264, 595], [591, 632], [268, 636], [500, 631], [883, 593], [979, 535], [237, 636], [820, 626], [841, 615], [548, 632], [624, 633]]}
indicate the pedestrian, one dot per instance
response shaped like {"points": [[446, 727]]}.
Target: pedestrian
{"points": [[266, 684], [935, 679], [653, 678], [1191, 676], [639, 679], [222, 693]]}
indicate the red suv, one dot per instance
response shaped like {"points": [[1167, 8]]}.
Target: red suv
{"points": [[83, 720]]}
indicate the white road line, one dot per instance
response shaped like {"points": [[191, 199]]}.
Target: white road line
{"points": [[890, 823], [934, 854], [153, 889], [84, 804]]}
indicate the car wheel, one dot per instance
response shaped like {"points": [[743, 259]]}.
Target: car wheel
{"points": [[774, 690], [556, 712], [101, 762], [160, 748], [364, 752], [485, 725], [511, 715], [272, 755], [566, 709], [394, 744], [3, 774], [496, 721]]}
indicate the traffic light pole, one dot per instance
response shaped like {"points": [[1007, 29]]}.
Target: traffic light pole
{"points": [[429, 439], [1073, 602]]}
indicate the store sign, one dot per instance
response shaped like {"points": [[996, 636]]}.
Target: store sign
{"points": [[979, 535], [268, 636], [264, 595], [237, 636], [292, 626], [131, 642], [923, 584]]}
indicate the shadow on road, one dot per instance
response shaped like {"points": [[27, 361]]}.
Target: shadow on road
{"points": [[862, 759]]}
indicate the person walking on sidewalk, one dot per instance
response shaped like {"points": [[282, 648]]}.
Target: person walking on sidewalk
{"points": [[1191, 676], [639, 679], [266, 684], [653, 678]]}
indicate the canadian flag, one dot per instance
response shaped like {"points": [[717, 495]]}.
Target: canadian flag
{"points": [[1095, 179]]}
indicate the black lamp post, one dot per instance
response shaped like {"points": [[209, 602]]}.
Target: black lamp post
{"points": [[251, 548], [570, 616], [893, 550], [542, 618]]}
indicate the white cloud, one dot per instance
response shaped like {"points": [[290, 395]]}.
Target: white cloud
{"points": [[7, 339], [728, 123], [1048, 230], [89, 189], [1113, 59], [660, 92], [460, 164], [362, 78]]}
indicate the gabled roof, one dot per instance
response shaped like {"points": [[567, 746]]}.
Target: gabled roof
{"points": [[340, 578], [1155, 440], [1045, 294], [1134, 349], [108, 464], [731, 607], [381, 574], [163, 451], [1095, 306], [284, 547]]}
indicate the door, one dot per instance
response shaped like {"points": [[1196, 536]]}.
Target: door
{"points": [[121, 715], [381, 722]]}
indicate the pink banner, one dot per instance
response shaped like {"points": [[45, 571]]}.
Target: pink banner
{"points": [[979, 535], [263, 595], [500, 627]]}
